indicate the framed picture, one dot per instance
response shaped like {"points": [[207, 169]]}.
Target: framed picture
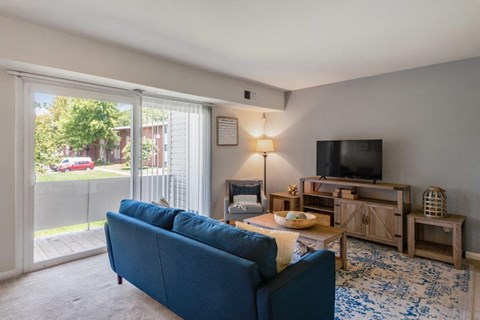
{"points": [[227, 131]]}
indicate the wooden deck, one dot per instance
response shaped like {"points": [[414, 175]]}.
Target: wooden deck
{"points": [[68, 243]]}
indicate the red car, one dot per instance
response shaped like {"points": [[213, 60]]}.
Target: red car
{"points": [[79, 163]]}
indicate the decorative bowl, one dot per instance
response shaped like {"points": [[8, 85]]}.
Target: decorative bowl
{"points": [[280, 218]]}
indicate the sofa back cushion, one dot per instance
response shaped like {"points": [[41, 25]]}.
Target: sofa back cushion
{"points": [[150, 213], [252, 246]]}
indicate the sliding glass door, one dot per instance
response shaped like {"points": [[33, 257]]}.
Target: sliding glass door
{"points": [[76, 170], [86, 150]]}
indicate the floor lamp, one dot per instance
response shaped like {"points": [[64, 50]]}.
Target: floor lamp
{"points": [[265, 145]]}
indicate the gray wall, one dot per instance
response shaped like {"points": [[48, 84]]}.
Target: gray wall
{"points": [[428, 118]]}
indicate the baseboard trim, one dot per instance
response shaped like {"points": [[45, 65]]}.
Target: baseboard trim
{"points": [[472, 255], [8, 274], [65, 259]]}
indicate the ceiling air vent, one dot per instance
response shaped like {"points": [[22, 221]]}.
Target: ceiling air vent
{"points": [[248, 95]]}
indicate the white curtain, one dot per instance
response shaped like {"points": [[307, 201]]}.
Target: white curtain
{"points": [[176, 153]]}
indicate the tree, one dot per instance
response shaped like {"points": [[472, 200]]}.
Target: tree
{"points": [[74, 123], [46, 146], [124, 119], [149, 150], [149, 116], [86, 122], [154, 115]]}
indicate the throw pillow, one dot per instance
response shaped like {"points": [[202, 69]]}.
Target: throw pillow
{"points": [[239, 189], [162, 202], [247, 198], [301, 250], [286, 241]]}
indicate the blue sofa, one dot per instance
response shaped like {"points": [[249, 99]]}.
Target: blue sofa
{"points": [[204, 269]]}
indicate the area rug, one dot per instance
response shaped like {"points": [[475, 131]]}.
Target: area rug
{"points": [[382, 283]]}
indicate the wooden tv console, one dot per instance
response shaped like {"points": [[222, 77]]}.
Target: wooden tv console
{"points": [[379, 214]]}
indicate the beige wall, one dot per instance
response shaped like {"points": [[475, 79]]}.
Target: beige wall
{"points": [[428, 118], [7, 172], [27, 43], [235, 162]]}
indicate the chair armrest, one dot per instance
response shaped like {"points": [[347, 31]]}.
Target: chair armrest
{"points": [[226, 203], [305, 290], [264, 201]]}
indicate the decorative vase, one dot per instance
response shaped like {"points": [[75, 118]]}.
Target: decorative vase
{"points": [[434, 202]]}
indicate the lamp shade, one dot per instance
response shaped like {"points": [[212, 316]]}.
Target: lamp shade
{"points": [[265, 145]]}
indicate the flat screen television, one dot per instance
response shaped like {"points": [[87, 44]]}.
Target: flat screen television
{"points": [[357, 159]]}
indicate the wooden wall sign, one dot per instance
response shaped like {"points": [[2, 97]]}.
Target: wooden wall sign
{"points": [[227, 131]]}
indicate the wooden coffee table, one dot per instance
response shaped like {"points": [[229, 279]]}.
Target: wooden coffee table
{"points": [[320, 235]]}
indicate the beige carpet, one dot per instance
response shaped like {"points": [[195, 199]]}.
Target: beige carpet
{"points": [[84, 289]]}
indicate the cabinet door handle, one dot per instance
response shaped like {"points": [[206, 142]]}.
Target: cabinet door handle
{"points": [[367, 219]]}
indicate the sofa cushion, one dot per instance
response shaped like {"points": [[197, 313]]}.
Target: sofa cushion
{"points": [[248, 198], [235, 208], [239, 189], [150, 213], [286, 241], [252, 246]]}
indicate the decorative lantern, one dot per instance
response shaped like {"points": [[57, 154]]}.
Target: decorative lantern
{"points": [[434, 202]]}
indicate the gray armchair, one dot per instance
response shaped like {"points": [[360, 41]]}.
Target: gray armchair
{"points": [[236, 213]]}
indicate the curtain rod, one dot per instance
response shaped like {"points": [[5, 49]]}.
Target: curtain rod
{"points": [[110, 89]]}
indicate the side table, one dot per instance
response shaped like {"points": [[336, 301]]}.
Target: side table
{"points": [[290, 202], [419, 247]]}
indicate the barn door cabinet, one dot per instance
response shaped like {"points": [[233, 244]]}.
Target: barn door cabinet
{"points": [[379, 214]]}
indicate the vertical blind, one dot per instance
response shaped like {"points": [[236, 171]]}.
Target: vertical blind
{"points": [[176, 153]]}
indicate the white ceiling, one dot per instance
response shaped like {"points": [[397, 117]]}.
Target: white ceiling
{"points": [[290, 44]]}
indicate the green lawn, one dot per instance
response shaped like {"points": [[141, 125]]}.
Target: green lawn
{"points": [[76, 175], [74, 228]]}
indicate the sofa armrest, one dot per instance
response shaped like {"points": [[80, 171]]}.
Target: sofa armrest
{"points": [[305, 290], [109, 246]]}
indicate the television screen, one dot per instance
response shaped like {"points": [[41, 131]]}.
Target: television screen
{"points": [[358, 159]]}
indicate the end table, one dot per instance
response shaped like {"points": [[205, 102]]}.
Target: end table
{"points": [[290, 202], [419, 247]]}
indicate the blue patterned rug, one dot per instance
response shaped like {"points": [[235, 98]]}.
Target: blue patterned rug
{"points": [[383, 284]]}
